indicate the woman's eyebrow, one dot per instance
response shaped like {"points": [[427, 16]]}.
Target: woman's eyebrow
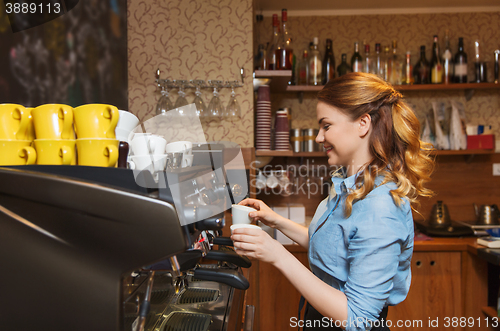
{"points": [[321, 120]]}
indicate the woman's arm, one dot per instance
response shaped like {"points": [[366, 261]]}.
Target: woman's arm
{"points": [[258, 244], [266, 215]]}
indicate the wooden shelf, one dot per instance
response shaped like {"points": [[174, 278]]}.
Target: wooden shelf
{"points": [[320, 154], [279, 78], [465, 152], [491, 312], [416, 87]]}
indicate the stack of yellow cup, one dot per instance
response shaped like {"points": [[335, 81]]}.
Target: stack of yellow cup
{"points": [[55, 136], [16, 135], [95, 130]]}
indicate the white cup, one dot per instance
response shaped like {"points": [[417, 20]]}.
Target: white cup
{"points": [[187, 161], [147, 143], [152, 163], [248, 226], [240, 214], [185, 147], [127, 121], [122, 134]]}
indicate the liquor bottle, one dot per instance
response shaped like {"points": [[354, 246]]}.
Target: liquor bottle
{"points": [[343, 67], [396, 66], [356, 59], [367, 60], [478, 66], [460, 63], [304, 69], [421, 70], [408, 70], [284, 50], [315, 65], [328, 72], [378, 62], [386, 69], [436, 63], [447, 61], [271, 52]]}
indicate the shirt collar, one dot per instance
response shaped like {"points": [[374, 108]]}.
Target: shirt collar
{"points": [[342, 184]]}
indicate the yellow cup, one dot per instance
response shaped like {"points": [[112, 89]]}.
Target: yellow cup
{"points": [[58, 152], [16, 152], [14, 122], [53, 121], [96, 121], [97, 152], [31, 126]]}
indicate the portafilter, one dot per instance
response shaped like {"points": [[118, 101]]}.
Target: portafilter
{"points": [[440, 216]]}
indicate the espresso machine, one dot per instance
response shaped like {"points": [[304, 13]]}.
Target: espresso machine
{"points": [[90, 248]]}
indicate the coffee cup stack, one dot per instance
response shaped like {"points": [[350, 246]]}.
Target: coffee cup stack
{"points": [[148, 153], [16, 135], [96, 141], [179, 154]]}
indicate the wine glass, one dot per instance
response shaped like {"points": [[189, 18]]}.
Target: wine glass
{"points": [[201, 108], [215, 107], [181, 100], [164, 104], [233, 108]]}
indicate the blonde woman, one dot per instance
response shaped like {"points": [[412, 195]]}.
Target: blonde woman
{"points": [[360, 241]]}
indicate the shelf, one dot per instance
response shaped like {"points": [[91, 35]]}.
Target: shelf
{"points": [[279, 78], [491, 312], [320, 154], [464, 152], [417, 87]]}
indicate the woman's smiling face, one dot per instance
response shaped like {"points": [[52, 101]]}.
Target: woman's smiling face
{"points": [[345, 140]]}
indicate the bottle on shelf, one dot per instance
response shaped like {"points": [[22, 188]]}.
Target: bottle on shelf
{"points": [[315, 64], [408, 70], [367, 60], [378, 62], [328, 71], [304, 69], [460, 72], [421, 70], [447, 60], [396, 65], [385, 64], [343, 67], [293, 79], [284, 50], [479, 67], [271, 51], [436, 63], [356, 59], [260, 60]]}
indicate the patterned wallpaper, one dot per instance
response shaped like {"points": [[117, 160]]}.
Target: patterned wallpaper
{"points": [[192, 40], [410, 31]]}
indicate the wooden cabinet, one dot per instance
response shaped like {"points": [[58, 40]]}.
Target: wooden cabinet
{"points": [[446, 283]]}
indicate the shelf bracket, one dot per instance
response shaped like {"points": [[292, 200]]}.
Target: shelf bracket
{"points": [[300, 95], [469, 93]]}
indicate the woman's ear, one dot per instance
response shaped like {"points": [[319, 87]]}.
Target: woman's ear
{"points": [[365, 122]]}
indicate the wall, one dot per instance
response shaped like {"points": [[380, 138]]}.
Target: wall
{"points": [[410, 31], [192, 40]]}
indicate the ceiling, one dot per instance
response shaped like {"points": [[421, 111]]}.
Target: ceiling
{"points": [[367, 7]]}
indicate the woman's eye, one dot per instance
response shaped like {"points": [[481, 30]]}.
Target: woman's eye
{"points": [[326, 127]]}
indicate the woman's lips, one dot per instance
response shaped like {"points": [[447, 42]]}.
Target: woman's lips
{"points": [[328, 149]]}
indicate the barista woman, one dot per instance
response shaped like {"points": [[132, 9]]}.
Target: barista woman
{"points": [[360, 241]]}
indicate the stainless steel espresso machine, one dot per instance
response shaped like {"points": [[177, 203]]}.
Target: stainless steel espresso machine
{"points": [[88, 248]]}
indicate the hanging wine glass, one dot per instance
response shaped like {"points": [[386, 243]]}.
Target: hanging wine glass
{"points": [[164, 104], [181, 99], [215, 107], [233, 109], [201, 108]]}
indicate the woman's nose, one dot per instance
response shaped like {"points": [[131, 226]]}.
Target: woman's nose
{"points": [[319, 137]]}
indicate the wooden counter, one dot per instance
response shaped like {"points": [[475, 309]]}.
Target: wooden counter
{"points": [[448, 281]]}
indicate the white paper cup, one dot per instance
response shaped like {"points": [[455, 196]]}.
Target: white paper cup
{"points": [[247, 226], [240, 214]]}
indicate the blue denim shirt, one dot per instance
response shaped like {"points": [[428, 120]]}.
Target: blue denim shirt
{"points": [[367, 256]]}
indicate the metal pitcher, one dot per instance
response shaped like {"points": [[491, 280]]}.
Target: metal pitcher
{"points": [[487, 215]]}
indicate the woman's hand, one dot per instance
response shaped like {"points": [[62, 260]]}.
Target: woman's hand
{"points": [[257, 244], [264, 214]]}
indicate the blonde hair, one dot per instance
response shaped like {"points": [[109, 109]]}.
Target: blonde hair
{"points": [[398, 153]]}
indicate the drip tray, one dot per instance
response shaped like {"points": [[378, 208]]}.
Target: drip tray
{"points": [[198, 295], [179, 321]]}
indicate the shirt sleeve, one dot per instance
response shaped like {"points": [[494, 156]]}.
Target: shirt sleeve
{"points": [[373, 257]]}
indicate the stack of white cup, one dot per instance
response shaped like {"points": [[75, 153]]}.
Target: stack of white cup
{"points": [[179, 154], [147, 152]]}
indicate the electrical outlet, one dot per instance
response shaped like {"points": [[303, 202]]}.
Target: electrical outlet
{"points": [[496, 169]]}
